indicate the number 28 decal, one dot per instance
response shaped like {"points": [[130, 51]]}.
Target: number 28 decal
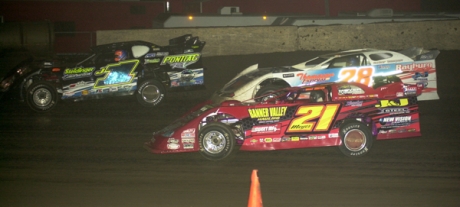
{"points": [[307, 115], [358, 75]]}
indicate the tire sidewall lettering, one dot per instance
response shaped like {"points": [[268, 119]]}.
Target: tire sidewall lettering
{"points": [[354, 126]]}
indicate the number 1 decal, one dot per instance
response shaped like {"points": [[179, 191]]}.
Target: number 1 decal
{"points": [[304, 123]]}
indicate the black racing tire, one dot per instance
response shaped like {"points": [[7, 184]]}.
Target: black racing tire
{"points": [[216, 141], [267, 89], [356, 139], [41, 96], [150, 93]]}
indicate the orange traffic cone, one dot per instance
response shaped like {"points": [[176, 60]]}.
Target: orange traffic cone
{"points": [[255, 196]]}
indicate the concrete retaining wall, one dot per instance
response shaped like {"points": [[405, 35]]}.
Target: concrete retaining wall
{"points": [[443, 35]]}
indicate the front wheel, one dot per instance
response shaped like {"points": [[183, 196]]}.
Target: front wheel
{"points": [[150, 93], [356, 139], [41, 96], [216, 141]]}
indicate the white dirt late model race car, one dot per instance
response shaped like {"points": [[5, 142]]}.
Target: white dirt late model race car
{"points": [[366, 66]]}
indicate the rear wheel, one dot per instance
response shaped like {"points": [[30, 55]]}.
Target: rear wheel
{"points": [[150, 93], [41, 96], [356, 139], [216, 141]]}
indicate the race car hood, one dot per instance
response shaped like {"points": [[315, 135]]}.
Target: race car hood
{"points": [[180, 135]]}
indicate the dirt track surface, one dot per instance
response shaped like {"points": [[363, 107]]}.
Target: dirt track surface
{"points": [[91, 154]]}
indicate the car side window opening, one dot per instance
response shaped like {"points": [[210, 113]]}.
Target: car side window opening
{"points": [[112, 57], [348, 61], [380, 56]]}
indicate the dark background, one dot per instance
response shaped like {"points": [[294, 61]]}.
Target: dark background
{"points": [[91, 154]]}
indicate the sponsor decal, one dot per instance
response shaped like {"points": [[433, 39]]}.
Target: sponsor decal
{"points": [[161, 54], [267, 114], [173, 144], [333, 135], [402, 130], [322, 137], [414, 66], [411, 130], [354, 103], [150, 55], [188, 140], [312, 137], [188, 146], [80, 83], [276, 139], [268, 140], [69, 93], [389, 103], [188, 133], [389, 122], [254, 141], [183, 58], [173, 140], [85, 92], [394, 110], [305, 78], [285, 139], [393, 61], [265, 129], [383, 67], [288, 75], [348, 89], [149, 61], [295, 139], [79, 72], [398, 119]]}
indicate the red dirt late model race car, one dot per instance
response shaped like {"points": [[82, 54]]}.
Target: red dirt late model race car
{"points": [[348, 115]]}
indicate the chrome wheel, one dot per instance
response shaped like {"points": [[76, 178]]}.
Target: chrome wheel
{"points": [[42, 97], [214, 142], [151, 93], [354, 140]]}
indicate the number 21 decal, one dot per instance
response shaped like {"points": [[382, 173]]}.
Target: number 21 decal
{"points": [[306, 114]]}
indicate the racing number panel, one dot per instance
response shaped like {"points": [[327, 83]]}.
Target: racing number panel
{"points": [[116, 74], [306, 115]]}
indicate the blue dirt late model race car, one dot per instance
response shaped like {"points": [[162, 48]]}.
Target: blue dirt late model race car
{"points": [[348, 115], [138, 68], [412, 66]]}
